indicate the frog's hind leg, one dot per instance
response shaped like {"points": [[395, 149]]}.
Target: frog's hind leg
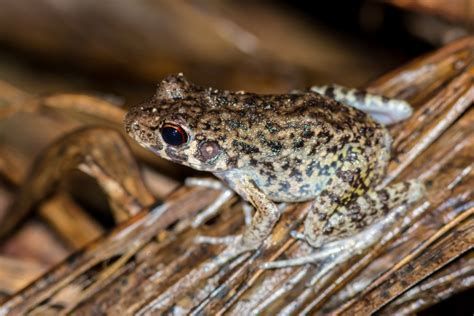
{"points": [[382, 109], [349, 230], [351, 219]]}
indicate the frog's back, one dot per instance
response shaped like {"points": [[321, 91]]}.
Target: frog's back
{"points": [[293, 145], [302, 123]]}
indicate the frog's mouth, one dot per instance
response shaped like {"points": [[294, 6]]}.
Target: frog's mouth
{"points": [[172, 155], [154, 149]]}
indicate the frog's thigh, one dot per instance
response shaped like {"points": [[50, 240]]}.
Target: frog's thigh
{"points": [[265, 217], [327, 202], [352, 218], [382, 109], [323, 207]]}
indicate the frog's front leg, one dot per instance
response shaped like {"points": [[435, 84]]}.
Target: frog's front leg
{"points": [[382, 109], [348, 229], [265, 217]]}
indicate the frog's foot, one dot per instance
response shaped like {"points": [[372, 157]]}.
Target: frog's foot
{"points": [[340, 250], [335, 249], [215, 206], [236, 245], [343, 249], [382, 109], [330, 249]]}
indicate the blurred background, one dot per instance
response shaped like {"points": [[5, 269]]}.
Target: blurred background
{"points": [[121, 49]]}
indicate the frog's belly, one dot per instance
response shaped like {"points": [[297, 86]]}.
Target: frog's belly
{"points": [[275, 189], [289, 191]]}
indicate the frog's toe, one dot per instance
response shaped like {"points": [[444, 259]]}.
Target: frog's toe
{"points": [[213, 208], [311, 259], [248, 210], [235, 246], [224, 240], [287, 263], [209, 183], [297, 235], [333, 249]]}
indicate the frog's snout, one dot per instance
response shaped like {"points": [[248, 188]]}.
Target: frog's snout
{"points": [[130, 122], [139, 132]]}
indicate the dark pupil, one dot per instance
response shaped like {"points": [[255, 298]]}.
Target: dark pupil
{"points": [[173, 135]]}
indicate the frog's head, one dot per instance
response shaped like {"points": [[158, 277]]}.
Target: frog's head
{"points": [[180, 124]]}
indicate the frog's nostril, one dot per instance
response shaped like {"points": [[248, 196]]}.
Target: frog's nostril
{"points": [[135, 126]]}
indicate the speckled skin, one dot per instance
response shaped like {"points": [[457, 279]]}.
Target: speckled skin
{"points": [[283, 148]]}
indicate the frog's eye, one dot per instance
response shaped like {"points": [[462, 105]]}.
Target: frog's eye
{"points": [[173, 134]]}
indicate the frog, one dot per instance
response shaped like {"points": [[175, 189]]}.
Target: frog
{"points": [[326, 144]]}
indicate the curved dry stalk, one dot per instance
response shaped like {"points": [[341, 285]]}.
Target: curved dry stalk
{"points": [[75, 104], [114, 256], [99, 152], [83, 109]]}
